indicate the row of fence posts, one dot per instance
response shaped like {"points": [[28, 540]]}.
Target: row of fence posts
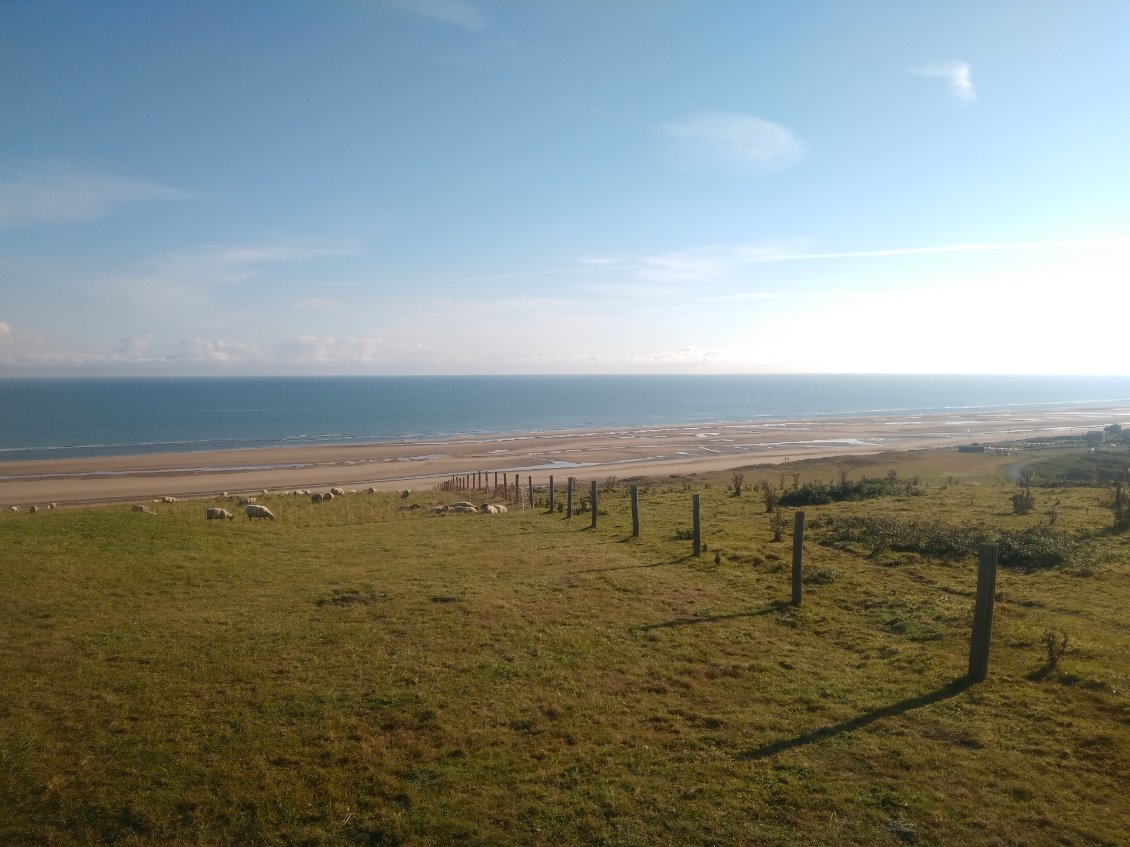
{"points": [[986, 559]]}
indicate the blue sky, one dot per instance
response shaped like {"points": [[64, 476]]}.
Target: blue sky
{"points": [[464, 186]]}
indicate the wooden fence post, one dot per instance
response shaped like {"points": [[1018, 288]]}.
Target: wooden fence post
{"points": [[697, 525], [569, 498], [798, 555], [983, 613], [530, 489], [550, 494], [635, 492], [592, 497]]}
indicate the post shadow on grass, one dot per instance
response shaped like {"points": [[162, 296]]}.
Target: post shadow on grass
{"points": [[951, 689], [777, 606], [676, 561]]}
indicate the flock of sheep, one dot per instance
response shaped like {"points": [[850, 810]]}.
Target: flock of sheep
{"points": [[256, 511], [31, 509]]}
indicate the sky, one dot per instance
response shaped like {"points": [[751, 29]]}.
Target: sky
{"points": [[504, 186]]}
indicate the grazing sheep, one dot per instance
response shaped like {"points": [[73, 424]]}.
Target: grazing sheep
{"points": [[52, 505], [438, 510], [141, 509], [217, 514], [337, 492], [13, 508], [253, 511], [405, 494], [264, 492], [329, 495], [316, 497], [32, 510], [465, 508], [370, 490], [168, 500], [245, 501]]}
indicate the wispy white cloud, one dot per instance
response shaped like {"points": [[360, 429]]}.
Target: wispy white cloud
{"points": [[732, 142], [948, 248], [685, 356], [134, 347], [311, 349], [217, 351], [715, 263], [458, 13], [45, 193], [705, 264], [957, 73]]}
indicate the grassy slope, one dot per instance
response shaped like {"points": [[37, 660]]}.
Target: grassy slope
{"points": [[350, 674]]}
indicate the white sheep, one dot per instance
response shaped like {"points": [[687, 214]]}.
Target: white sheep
{"points": [[253, 511], [337, 492], [216, 514]]}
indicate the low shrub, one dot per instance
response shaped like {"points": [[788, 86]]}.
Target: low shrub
{"points": [[1033, 547]]}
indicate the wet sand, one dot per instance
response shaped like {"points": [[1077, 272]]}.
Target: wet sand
{"points": [[421, 465]]}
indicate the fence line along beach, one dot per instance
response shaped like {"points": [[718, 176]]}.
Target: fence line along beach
{"points": [[592, 454]]}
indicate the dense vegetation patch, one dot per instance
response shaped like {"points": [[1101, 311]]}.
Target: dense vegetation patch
{"points": [[1087, 469], [1029, 548], [868, 488]]}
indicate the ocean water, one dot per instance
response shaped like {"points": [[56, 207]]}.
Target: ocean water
{"points": [[70, 418]]}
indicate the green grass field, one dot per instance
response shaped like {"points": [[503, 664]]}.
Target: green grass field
{"points": [[352, 674]]}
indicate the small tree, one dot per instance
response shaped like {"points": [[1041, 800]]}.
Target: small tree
{"points": [[1120, 504], [1023, 501], [769, 496], [736, 479], [777, 524]]}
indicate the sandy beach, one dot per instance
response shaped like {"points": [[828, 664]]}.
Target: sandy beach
{"points": [[420, 465]]}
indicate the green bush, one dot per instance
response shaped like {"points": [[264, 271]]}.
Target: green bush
{"points": [[1034, 547], [868, 488]]}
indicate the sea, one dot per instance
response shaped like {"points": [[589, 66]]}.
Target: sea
{"points": [[73, 418]]}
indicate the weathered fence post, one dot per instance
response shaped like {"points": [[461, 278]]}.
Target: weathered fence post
{"points": [[530, 489], [983, 612], [569, 498], [697, 525], [592, 497], [635, 492], [798, 555], [506, 487]]}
